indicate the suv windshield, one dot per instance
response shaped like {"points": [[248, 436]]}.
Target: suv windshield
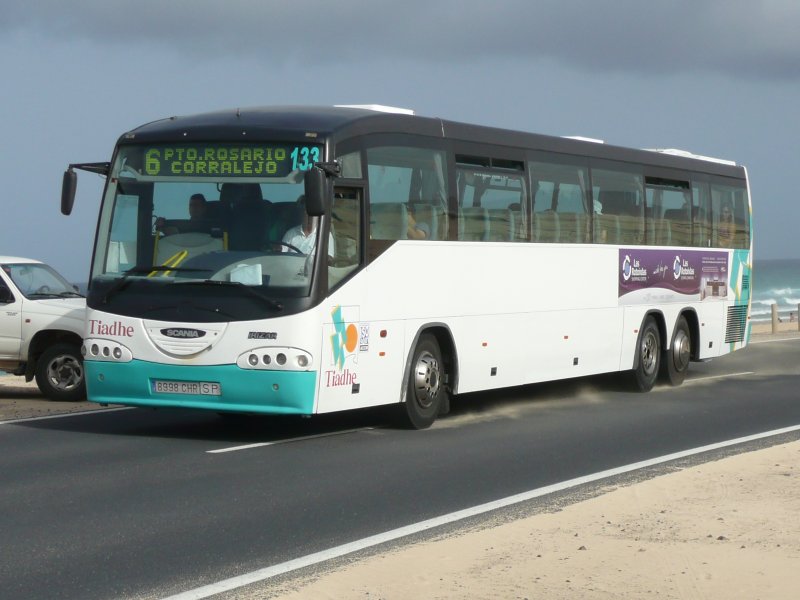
{"points": [[208, 213], [37, 280]]}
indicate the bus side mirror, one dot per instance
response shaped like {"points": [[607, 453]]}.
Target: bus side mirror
{"points": [[316, 191], [68, 187]]}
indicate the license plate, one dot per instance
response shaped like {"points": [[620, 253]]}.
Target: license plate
{"points": [[198, 388]]}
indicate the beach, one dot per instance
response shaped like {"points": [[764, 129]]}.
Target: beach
{"points": [[784, 326]]}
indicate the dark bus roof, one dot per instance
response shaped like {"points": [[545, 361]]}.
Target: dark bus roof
{"points": [[336, 123]]}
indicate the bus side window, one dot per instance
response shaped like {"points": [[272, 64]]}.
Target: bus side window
{"points": [[560, 202], [621, 194], [730, 218], [701, 230], [407, 193], [346, 233]]}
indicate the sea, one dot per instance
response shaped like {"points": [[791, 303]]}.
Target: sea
{"points": [[775, 282]]}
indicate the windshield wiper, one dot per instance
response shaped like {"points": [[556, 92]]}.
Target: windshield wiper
{"points": [[237, 284], [55, 295], [123, 281]]}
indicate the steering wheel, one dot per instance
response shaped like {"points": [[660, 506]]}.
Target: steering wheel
{"points": [[43, 290], [293, 249]]}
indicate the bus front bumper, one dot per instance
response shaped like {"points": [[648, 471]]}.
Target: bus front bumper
{"points": [[226, 388]]}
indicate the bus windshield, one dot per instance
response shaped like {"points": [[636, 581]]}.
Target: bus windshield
{"points": [[209, 213]]}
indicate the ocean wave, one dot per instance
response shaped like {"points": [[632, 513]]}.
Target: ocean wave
{"points": [[777, 291], [767, 302], [783, 291]]}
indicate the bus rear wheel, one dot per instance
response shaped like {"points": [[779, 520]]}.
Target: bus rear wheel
{"points": [[676, 360], [425, 391], [648, 356]]}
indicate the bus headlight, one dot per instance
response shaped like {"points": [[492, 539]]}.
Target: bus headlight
{"points": [[275, 359]]}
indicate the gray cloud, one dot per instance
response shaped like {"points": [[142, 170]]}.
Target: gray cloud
{"points": [[741, 38]]}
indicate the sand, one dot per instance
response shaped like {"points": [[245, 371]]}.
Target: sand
{"points": [[765, 327], [20, 400]]}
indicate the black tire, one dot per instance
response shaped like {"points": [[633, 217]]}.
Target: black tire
{"points": [[675, 362], [648, 356], [425, 392], [60, 374]]}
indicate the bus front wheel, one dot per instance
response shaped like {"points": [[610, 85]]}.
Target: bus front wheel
{"points": [[675, 363], [648, 356], [425, 391]]}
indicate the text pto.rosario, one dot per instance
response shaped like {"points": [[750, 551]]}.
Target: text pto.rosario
{"points": [[214, 161]]}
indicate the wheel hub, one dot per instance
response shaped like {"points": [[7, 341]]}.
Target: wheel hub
{"points": [[65, 373], [426, 379], [681, 351]]}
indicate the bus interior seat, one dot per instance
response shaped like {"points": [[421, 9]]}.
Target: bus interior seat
{"points": [[473, 223], [572, 227], [680, 226], [631, 230], [502, 225], [663, 232], [520, 230], [388, 221], [608, 224], [283, 216], [548, 227]]}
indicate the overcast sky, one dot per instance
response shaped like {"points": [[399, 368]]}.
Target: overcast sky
{"points": [[716, 77]]}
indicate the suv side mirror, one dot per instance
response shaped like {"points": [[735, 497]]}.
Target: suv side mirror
{"points": [[68, 187]]}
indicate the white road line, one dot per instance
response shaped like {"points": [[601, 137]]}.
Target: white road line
{"points": [[286, 441], [64, 415], [233, 583], [742, 374]]}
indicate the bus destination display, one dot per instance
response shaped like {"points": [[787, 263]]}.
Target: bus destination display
{"points": [[210, 160]]}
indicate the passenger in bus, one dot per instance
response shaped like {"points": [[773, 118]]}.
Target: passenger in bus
{"points": [[601, 230], [198, 208], [198, 219], [727, 228], [304, 236], [417, 230]]}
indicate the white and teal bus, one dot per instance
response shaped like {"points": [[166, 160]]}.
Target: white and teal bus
{"points": [[299, 260]]}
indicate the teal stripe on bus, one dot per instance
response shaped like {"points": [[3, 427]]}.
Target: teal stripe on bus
{"points": [[243, 390]]}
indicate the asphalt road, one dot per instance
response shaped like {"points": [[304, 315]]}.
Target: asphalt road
{"points": [[134, 503]]}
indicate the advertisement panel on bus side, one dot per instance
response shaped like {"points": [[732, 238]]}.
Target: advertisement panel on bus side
{"points": [[655, 275]]}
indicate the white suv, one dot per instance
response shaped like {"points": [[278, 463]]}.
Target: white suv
{"points": [[41, 323]]}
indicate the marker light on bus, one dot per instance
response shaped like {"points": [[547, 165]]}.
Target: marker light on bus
{"points": [[280, 359], [105, 350]]}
